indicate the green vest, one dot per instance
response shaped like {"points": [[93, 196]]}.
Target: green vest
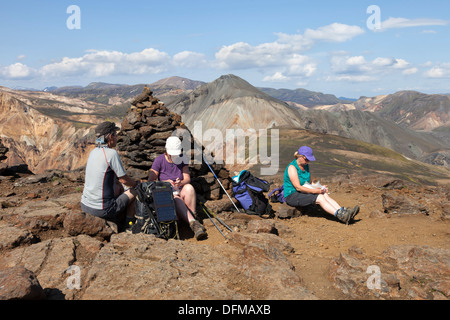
{"points": [[303, 176]]}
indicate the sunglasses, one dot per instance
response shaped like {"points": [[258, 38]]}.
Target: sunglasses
{"points": [[305, 158]]}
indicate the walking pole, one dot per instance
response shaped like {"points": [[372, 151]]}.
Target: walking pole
{"points": [[215, 216], [214, 222], [209, 219], [206, 161]]}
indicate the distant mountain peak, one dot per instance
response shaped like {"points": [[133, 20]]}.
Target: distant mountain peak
{"points": [[178, 82]]}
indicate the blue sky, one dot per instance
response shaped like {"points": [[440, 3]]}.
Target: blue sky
{"points": [[326, 46]]}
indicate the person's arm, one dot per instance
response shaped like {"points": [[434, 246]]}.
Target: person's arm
{"points": [[153, 175], [186, 177], [293, 176], [127, 181]]}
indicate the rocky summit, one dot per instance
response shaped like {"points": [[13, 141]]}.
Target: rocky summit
{"points": [[396, 248]]}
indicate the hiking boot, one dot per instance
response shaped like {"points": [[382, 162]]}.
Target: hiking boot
{"points": [[344, 215], [354, 211], [198, 229]]}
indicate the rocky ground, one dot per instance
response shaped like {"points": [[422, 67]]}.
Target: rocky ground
{"points": [[397, 248]]}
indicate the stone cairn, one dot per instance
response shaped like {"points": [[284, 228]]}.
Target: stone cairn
{"points": [[3, 151], [142, 138]]}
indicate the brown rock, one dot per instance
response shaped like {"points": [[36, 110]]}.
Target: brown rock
{"points": [[125, 268], [77, 222], [398, 204], [11, 236], [261, 226], [406, 272], [18, 283]]}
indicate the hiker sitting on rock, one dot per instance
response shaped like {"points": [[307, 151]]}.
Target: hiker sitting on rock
{"points": [[103, 194], [167, 168], [298, 195]]}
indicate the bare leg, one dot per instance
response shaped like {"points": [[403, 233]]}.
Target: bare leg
{"points": [[186, 199], [182, 211], [331, 201], [189, 197], [329, 206]]}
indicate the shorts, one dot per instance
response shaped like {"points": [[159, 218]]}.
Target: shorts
{"points": [[115, 210], [299, 199]]}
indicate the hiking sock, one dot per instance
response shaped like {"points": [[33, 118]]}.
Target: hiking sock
{"points": [[338, 210]]}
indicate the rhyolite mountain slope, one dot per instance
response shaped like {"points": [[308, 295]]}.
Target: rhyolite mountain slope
{"points": [[45, 131], [373, 128], [411, 109], [120, 94], [230, 102], [306, 98]]}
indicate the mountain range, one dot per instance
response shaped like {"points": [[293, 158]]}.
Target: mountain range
{"points": [[231, 103], [414, 124]]}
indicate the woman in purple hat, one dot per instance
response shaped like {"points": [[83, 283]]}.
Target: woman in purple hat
{"points": [[297, 194]]}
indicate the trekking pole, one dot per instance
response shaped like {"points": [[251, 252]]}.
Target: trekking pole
{"points": [[214, 222], [209, 219], [215, 216], [206, 161]]}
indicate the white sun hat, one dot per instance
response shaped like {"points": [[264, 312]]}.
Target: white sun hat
{"points": [[173, 146]]}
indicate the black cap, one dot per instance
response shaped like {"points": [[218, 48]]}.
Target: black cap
{"points": [[106, 128]]}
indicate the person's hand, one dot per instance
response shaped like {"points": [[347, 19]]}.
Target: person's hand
{"points": [[170, 181], [322, 190]]}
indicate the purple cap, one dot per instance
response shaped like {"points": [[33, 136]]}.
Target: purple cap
{"points": [[307, 152]]}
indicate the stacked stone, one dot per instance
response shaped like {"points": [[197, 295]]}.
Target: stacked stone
{"points": [[142, 138], [3, 151]]}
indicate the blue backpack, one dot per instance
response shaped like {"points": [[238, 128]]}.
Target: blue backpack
{"points": [[277, 195], [249, 191]]}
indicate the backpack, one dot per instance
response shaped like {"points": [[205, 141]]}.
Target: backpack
{"points": [[155, 210], [277, 195], [248, 190]]}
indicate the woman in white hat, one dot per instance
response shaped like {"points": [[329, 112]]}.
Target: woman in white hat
{"points": [[168, 167]]}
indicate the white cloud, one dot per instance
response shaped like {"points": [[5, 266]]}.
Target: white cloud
{"points": [[429, 32], [357, 68], [106, 63], [284, 54], [242, 55], [96, 63], [392, 23], [410, 71], [383, 61], [189, 59], [17, 71], [277, 77], [352, 78], [440, 71], [335, 32]]}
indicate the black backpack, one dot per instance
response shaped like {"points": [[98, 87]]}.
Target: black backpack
{"points": [[249, 191], [155, 210]]}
